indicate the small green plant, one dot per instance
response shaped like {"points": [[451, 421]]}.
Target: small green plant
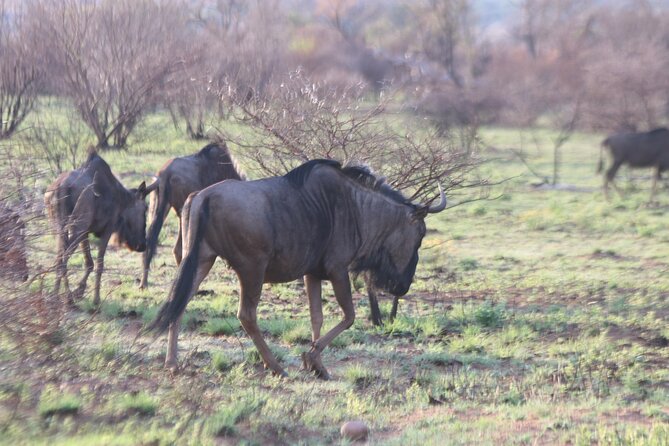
{"points": [[490, 315], [111, 309], [222, 423], [221, 326], [221, 362], [469, 264], [299, 334], [110, 350], [138, 403], [360, 376], [53, 402]]}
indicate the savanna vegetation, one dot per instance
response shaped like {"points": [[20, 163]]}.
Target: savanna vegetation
{"points": [[537, 316], [539, 310]]}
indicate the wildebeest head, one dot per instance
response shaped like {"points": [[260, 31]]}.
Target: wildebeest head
{"points": [[132, 221], [393, 265]]}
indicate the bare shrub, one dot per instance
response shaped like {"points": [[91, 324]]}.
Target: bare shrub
{"points": [[626, 82], [114, 57], [62, 145], [303, 120], [19, 73], [31, 316]]}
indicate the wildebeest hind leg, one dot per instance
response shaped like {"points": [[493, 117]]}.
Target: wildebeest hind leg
{"points": [[314, 293], [251, 287], [342, 290], [205, 262], [178, 246]]}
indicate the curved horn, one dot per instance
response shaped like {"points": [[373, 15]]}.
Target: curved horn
{"points": [[442, 202]]}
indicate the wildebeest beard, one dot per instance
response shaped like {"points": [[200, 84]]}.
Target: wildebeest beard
{"points": [[125, 236], [385, 274]]}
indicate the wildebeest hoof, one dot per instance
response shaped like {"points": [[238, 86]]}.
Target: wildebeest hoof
{"points": [[311, 361], [281, 373], [172, 366], [76, 295]]}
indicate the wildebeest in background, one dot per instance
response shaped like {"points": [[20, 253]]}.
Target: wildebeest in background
{"points": [[645, 149], [319, 221], [13, 263], [177, 179], [91, 200]]}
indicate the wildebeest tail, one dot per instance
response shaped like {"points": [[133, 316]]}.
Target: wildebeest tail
{"points": [[182, 286], [600, 164], [159, 206]]}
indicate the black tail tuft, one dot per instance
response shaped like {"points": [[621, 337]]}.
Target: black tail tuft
{"points": [[159, 214], [182, 286]]}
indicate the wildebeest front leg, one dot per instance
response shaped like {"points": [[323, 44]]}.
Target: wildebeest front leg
{"points": [[100, 265], [342, 289], [373, 300], [251, 287], [311, 361], [393, 310], [657, 175], [88, 259], [204, 266], [609, 176]]}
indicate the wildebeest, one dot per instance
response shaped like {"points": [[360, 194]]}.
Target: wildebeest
{"points": [[13, 262], [320, 221], [91, 200], [177, 179], [645, 149]]}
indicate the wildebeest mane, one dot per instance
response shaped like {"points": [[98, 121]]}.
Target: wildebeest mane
{"points": [[360, 174], [218, 152], [298, 176], [658, 130], [364, 176]]}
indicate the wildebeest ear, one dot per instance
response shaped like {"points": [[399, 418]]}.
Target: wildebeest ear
{"points": [[141, 190]]}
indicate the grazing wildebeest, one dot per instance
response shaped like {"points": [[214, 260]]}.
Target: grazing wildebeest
{"points": [[13, 263], [177, 179], [91, 200], [319, 221], [645, 149]]}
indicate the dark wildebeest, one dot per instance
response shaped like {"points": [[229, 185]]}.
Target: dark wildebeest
{"points": [[178, 178], [13, 263], [91, 200], [319, 221], [645, 149]]}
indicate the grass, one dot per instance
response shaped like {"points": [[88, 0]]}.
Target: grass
{"points": [[539, 317], [138, 403], [52, 403]]}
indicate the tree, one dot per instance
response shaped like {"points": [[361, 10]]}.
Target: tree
{"points": [[115, 56], [19, 74], [446, 34]]}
